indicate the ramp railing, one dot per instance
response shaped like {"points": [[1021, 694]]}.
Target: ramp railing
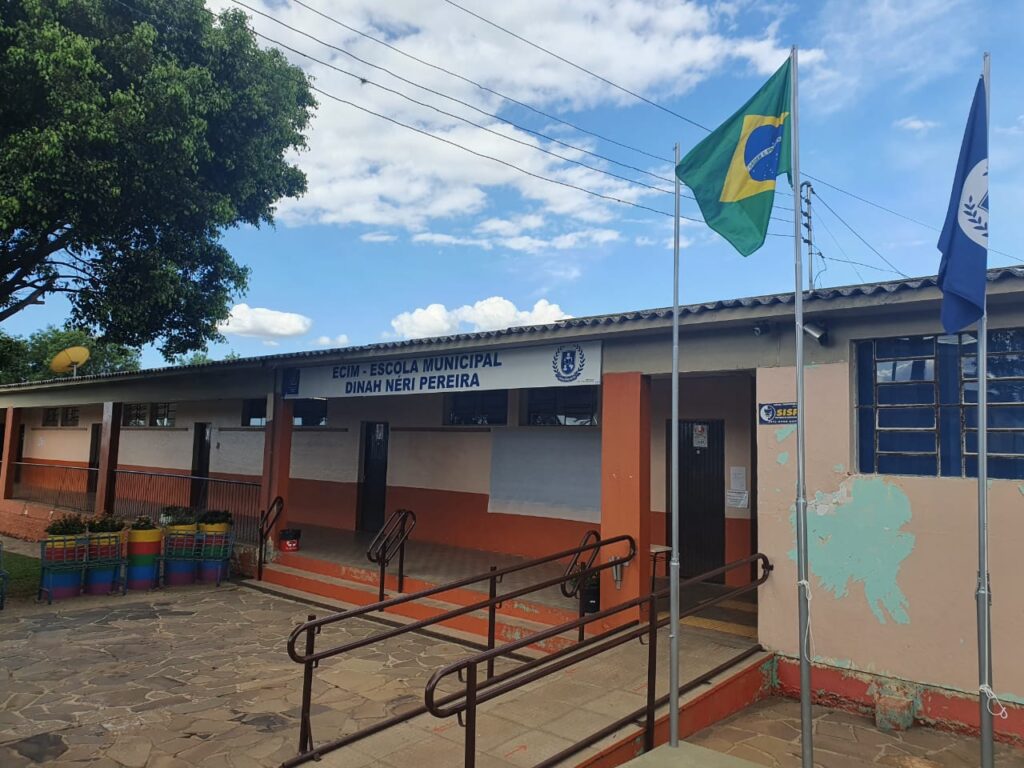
{"points": [[390, 541]]}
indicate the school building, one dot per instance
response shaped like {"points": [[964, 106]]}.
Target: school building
{"points": [[519, 441]]}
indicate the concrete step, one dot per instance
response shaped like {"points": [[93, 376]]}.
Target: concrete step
{"points": [[352, 593], [522, 608]]}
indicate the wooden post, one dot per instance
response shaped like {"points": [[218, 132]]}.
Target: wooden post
{"points": [[110, 440], [12, 429]]}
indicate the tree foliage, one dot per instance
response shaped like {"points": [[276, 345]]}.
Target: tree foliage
{"points": [[28, 359], [132, 134]]}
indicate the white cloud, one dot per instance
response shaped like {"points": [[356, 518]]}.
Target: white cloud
{"points": [[378, 237], [439, 238], [510, 227], [914, 124], [644, 241], [363, 170], [263, 323], [340, 340], [884, 44], [489, 314], [1017, 129]]}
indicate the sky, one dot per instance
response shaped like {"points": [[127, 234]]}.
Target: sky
{"points": [[401, 235]]}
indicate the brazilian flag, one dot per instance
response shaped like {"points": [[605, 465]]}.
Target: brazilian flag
{"points": [[732, 172]]}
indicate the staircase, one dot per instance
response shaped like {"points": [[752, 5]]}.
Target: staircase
{"points": [[342, 586]]}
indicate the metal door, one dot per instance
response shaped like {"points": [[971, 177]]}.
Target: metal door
{"points": [[199, 490], [373, 482], [701, 495]]}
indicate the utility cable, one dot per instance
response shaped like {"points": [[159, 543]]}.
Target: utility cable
{"points": [[859, 236]]}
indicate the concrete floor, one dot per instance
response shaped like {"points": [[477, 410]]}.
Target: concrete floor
{"points": [[198, 676]]}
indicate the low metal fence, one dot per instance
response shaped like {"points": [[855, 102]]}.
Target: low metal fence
{"points": [[58, 486]]}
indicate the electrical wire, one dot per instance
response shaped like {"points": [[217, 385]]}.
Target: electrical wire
{"points": [[859, 236], [564, 60], [481, 86], [441, 93]]}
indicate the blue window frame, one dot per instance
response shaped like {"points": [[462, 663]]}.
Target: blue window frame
{"points": [[917, 405]]}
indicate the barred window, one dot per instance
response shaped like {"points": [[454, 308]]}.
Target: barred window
{"points": [[51, 417], [476, 408], [254, 412], [561, 407], [69, 416], [135, 415], [307, 413], [917, 405], [162, 414]]}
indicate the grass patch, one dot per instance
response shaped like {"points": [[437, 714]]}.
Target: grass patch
{"points": [[23, 575]]}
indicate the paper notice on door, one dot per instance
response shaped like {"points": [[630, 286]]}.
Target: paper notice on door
{"points": [[737, 478], [737, 499]]}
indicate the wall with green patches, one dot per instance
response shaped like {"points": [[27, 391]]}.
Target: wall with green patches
{"points": [[893, 560]]}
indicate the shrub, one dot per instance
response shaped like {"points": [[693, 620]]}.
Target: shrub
{"points": [[105, 524], [215, 516], [69, 525], [178, 516], [144, 524]]}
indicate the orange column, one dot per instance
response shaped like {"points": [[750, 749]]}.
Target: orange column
{"points": [[277, 453], [626, 481], [110, 440], [12, 428]]}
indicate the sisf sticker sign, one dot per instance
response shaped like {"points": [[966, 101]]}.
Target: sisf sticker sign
{"points": [[777, 413], [562, 365]]}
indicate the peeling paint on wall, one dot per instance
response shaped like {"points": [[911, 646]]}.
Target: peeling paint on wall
{"points": [[783, 432], [783, 458], [839, 468], [855, 535]]}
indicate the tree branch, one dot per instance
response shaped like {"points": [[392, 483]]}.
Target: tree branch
{"points": [[20, 304]]}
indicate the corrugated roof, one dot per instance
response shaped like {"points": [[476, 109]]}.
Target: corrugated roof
{"points": [[593, 321]]}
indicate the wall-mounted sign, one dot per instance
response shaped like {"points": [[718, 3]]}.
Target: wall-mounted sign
{"points": [[562, 365], [777, 413], [700, 435]]}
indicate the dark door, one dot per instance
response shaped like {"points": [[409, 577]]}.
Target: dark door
{"points": [[701, 496], [19, 453], [95, 434], [200, 466], [373, 484]]}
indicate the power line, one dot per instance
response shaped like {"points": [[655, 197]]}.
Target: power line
{"points": [[564, 60], [439, 93], [841, 249], [483, 87], [875, 205], [366, 81], [859, 236]]}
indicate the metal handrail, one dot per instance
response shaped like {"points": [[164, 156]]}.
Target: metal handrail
{"points": [[268, 519], [311, 658], [573, 567], [390, 539], [465, 703]]}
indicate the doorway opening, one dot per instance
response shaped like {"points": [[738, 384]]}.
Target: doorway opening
{"points": [[373, 479]]}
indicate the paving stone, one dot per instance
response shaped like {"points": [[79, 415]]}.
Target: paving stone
{"points": [[131, 752], [41, 748]]}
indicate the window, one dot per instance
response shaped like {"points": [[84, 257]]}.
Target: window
{"points": [[307, 413], [917, 405], [476, 408], [69, 416], [162, 414], [51, 417], [254, 412], [561, 407], [135, 415]]}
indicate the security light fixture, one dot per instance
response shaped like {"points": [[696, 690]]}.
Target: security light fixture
{"points": [[818, 332]]}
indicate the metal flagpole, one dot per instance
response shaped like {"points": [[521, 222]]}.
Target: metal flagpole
{"points": [[673, 571], [803, 586], [984, 595]]}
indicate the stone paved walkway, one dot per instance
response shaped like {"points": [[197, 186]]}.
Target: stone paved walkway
{"points": [[768, 734], [199, 677]]}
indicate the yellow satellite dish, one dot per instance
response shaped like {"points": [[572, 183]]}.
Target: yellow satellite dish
{"points": [[69, 359]]}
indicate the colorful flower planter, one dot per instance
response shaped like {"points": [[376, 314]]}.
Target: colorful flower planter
{"points": [[143, 558], [215, 552], [179, 541], [64, 551], [99, 578]]}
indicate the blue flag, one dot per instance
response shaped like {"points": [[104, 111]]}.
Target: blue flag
{"points": [[964, 238]]}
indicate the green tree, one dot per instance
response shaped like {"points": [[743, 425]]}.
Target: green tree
{"points": [[132, 135], [28, 359]]}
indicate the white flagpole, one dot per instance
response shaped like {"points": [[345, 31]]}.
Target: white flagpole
{"points": [[803, 586], [673, 571], [984, 596]]}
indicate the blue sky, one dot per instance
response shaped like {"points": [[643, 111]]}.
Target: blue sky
{"points": [[401, 235]]}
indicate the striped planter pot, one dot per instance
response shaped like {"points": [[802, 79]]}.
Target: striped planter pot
{"points": [[214, 549], [180, 540], [65, 549], [143, 558]]}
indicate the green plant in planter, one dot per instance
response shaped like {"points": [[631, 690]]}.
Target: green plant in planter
{"points": [[580, 579], [144, 524], [178, 516], [215, 517], [105, 524], [69, 525]]}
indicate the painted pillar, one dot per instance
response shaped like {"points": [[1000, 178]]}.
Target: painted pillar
{"points": [[110, 441], [12, 428], [277, 451], [626, 480]]}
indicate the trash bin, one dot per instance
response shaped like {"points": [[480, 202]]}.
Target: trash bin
{"points": [[591, 594], [289, 540]]}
